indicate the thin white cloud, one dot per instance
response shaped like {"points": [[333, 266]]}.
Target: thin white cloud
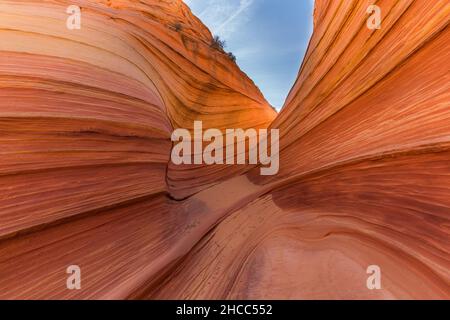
{"points": [[243, 6], [221, 15]]}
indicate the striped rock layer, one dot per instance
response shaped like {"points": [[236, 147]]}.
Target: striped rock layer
{"points": [[86, 178]]}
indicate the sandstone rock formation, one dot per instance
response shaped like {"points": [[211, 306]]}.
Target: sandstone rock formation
{"points": [[86, 117]]}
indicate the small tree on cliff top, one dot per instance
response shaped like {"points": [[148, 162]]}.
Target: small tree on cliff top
{"points": [[218, 43], [231, 56]]}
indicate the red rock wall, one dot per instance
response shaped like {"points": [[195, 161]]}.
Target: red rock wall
{"points": [[85, 177], [363, 171]]}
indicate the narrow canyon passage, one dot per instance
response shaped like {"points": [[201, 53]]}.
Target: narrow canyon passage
{"points": [[86, 118]]}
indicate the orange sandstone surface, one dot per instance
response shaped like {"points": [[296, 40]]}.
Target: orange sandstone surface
{"points": [[86, 178]]}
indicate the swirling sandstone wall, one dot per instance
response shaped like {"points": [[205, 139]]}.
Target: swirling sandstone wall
{"points": [[85, 123]]}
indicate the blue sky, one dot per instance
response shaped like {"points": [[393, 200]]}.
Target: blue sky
{"points": [[268, 37]]}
